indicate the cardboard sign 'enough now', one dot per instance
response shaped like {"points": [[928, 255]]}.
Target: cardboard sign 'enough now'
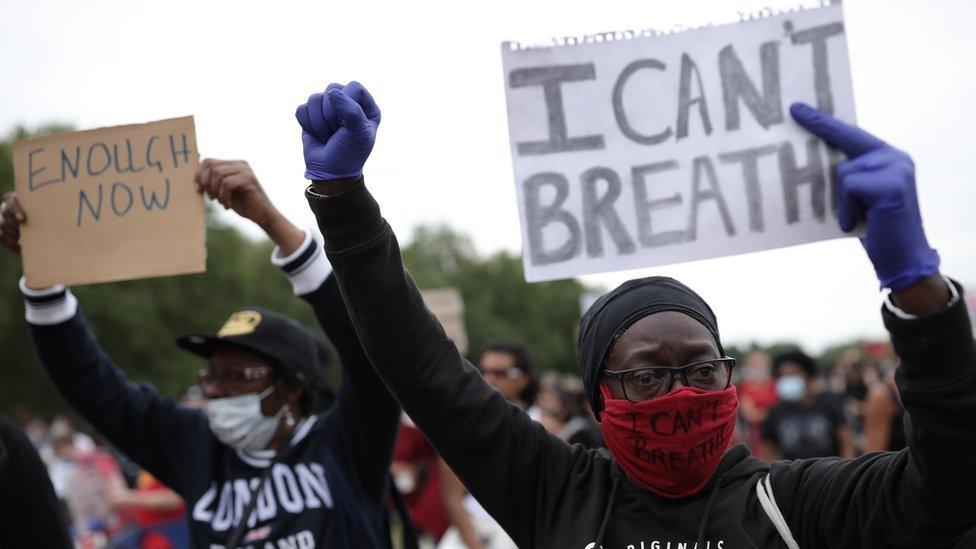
{"points": [[110, 204]]}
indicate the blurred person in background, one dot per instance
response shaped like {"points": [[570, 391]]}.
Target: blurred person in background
{"points": [[564, 411], [805, 423], [87, 477], [507, 366], [30, 513], [157, 515], [417, 475], [757, 395], [266, 462], [884, 418]]}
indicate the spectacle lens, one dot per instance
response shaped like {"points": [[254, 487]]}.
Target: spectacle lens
{"points": [[647, 383]]}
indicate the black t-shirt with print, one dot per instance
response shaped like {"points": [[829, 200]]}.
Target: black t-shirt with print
{"points": [[802, 431]]}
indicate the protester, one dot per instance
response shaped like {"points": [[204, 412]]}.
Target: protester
{"points": [[416, 474], [564, 411], [30, 513], [157, 514], [757, 395], [87, 477], [669, 477], [507, 366], [805, 423], [884, 418], [320, 475]]}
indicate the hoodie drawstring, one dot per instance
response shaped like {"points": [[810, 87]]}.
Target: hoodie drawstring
{"points": [[700, 544], [606, 514]]}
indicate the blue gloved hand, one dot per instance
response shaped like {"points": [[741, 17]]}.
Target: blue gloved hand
{"points": [[338, 131], [876, 185]]}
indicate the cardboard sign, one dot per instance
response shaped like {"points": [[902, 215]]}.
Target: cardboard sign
{"points": [[110, 204], [641, 149], [447, 304]]}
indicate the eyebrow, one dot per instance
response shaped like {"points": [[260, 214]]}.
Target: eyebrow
{"points": [[685, 348]]}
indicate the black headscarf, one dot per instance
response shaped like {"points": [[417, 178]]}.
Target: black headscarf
{"points": [[616, 311]]}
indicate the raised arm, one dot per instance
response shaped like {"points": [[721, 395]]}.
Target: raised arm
{"points": [[147, 427], [921, 496], [364, 421], [481, 436]]}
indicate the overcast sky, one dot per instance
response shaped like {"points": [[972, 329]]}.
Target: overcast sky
{"points": [[442, 154]]}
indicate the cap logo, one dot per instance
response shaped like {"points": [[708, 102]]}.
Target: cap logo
{"points": [[240, 323]]}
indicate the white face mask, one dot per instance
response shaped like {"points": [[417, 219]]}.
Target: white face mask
{"points": [[238, 421], [791, 388]]}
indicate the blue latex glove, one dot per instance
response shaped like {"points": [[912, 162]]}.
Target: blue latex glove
{"points": [[876, 185], [338, 131]]}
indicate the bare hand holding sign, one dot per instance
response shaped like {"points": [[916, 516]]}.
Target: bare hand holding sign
{"points": [[110, 204], [647, 150]]}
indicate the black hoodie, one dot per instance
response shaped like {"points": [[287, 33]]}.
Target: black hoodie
{"points": [[545, 493]]}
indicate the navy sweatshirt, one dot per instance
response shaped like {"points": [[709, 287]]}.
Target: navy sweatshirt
{"points": [[329, 491], [545, 493]]}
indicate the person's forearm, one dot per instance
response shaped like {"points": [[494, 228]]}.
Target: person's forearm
{"points": [[283, 233], [937, 384], [334, 186], [925, 297], [155, 500], [462, 521]]}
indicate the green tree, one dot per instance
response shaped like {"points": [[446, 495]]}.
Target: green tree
{"points": [[498, 303]]}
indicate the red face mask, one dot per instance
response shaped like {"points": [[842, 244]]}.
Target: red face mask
{"points": [[670, 445]]}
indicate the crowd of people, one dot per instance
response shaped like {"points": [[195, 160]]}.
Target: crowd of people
{"points": [[791, 407], [107, 499], [641, 449]]}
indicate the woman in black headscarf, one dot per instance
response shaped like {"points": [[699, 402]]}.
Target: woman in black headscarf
{"points": [[657, 377]]}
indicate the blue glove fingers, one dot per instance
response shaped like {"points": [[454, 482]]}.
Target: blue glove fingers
{"points": [[301, 114], [851, 140], [360, 95], [350, 113], [850, 206], [329, 113], [322, 129]]}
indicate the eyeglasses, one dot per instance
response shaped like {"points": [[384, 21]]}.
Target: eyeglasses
{"points": [[230, 377], [510, 373], [640, 384]]}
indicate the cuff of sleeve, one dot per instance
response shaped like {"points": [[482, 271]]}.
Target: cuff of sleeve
{"points": [[894, 309], [942, 342], [307, 268], [48, 306], [346, 219]]}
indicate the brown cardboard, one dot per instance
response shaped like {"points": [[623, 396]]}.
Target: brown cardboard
{"points": [[110, 204], [447, 304]]}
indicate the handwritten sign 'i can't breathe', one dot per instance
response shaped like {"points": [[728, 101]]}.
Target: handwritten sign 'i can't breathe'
{"points": [[110, 204], [639, 149]]}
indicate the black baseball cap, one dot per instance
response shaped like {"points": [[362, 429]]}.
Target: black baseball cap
{"points": [[276, 337]]}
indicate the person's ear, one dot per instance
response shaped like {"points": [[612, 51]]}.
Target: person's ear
{"points": [[291, 388]]}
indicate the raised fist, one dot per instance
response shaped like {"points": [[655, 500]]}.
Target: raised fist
{"points": [[338, 131], [233, 184], [877, 186]]}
